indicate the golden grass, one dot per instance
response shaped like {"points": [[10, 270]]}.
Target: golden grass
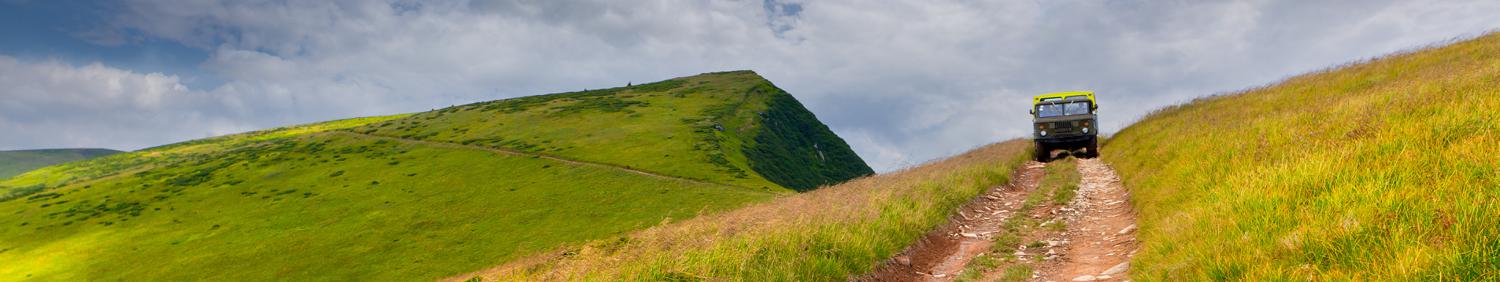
{"points": [[824, 235], [1383, 170]]}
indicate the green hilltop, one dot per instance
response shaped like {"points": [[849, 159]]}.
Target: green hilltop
{"points": [[21, 161], [420, 196], [731, 128]]}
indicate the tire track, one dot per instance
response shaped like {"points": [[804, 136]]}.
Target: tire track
{"points": [[941, 255], [1101, 238]]}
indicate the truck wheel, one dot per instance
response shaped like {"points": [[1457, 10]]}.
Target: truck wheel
{"points": [[1093, 148], [1042, 153]]}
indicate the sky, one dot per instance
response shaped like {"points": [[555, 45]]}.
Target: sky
{"points": [[903, 82]]}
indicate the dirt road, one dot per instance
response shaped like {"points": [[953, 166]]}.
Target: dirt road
{"points": [[942, 254], [1089, 238], [1101, 230]]}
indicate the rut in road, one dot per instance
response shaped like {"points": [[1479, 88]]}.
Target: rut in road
{"points": [[1100, 238], [941, 254], [1030, 231]]}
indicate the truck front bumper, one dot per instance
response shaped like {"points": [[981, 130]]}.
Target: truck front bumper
{"points": [[1065, 139]]}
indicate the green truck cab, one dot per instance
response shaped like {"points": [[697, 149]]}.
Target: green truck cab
{"points": [[1065, 121]]}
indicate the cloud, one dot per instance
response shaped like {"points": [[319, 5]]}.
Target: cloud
{"points": [[94, 105], [902, 81]]}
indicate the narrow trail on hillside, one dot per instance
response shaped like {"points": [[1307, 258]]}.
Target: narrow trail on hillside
{"points": [[1100, 238], [1088, 238], [941, 255], [525, 154]]}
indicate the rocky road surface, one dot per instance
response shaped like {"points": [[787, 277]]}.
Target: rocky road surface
{"points": [[1101, 230], [1096, 244], [942, 254]]}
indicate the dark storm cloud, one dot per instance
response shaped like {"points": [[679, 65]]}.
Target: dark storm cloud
{"points": [[902, 81]]}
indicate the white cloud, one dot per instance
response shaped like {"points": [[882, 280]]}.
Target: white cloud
{"points": [[61, 105], [903, 81]]}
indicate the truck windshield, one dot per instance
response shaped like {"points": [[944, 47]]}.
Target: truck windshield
{"points": [[1052, 110]]}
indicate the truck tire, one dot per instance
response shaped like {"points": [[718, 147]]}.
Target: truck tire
{"points": [[1042, 153], [1093, 148]]}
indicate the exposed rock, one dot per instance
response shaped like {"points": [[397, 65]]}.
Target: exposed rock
{"points": [[1117, 269], [1126, 230], [903, 260], [1085, 278]]}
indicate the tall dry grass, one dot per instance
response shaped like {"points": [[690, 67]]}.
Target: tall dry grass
{"points": [[825, 235], [1382, 170]]}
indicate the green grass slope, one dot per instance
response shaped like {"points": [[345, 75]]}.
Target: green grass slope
{"points": [[732, 128], [19, 161], [831, 234], [1384, 170], [162, 156], [407, 197]]}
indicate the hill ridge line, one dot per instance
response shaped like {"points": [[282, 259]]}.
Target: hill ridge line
{"points": [[529, 154]]}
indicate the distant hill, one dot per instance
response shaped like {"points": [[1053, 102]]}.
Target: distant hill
{"points": [[19, 161], [424, 195], [732, 128]]}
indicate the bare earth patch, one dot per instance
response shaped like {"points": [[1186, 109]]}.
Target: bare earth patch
{"points": [[942, 254], [1100, 238]]}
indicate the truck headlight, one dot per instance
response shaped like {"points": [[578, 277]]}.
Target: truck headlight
{"points": [[1044, 133], [1085, 130]]}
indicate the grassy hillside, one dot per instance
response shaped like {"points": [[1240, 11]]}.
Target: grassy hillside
{"points": [[829, 234], [1383, 170], [162, 156], [732, 128], [407, 197], [17, 162]]}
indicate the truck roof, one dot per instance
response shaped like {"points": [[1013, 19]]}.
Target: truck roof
{"points": [[1063, 95]]}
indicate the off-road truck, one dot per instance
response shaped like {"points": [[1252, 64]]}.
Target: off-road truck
{"points": [[1065, 121]]}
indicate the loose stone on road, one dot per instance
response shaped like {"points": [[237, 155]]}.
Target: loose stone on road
{"points": [[1095, 245], [942, 254], [1101, 235]]}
